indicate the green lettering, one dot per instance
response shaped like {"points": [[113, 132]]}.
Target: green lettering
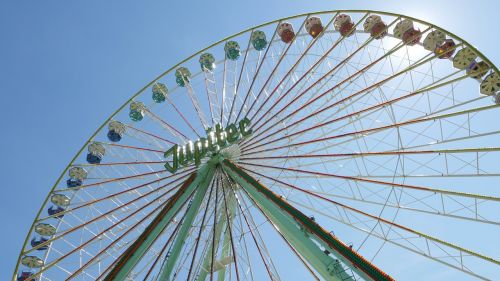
{"points": [[184, 156], [212, 140], [244, 124], [217, 138], [232, 133], [221, 141], [200, 150], [175, 164]]}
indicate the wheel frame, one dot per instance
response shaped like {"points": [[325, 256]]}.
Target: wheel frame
{"points": [[180, 63]]}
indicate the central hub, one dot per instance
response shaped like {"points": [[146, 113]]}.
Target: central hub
{"points": [[219, 140]]}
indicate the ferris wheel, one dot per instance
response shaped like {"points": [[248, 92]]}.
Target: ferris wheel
{"points": [[338, 145]]}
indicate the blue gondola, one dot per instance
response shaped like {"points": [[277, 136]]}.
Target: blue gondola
{"points": [[72, 183], [93, 159], [114, 136], [24, 276], [35, 242], [55, 210], [116, 129]]}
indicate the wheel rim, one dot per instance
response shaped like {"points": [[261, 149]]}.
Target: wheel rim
{"points": [[310, 135]]}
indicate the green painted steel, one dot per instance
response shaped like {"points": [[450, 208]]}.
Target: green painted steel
{"points": [[226, 243], [186, 226], [289, 220], [328, 267], [136, 251], [221, 225], [226, 250], [205, 268]]}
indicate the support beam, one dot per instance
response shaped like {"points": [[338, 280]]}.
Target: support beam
{"points": [[225, 258], [219, 228], [304, 234], [129, 259], [206, 266], [187, 222]]}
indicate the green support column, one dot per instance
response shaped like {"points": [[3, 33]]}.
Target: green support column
{"points": [[221, 224], [133, 254], [187, 222], [304, 234], [205, 269], [226, 250], [226, 243]]}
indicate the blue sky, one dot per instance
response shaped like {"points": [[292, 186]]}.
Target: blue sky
{"points": [[65, 66]]}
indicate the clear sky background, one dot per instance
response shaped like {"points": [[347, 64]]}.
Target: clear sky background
{"points": [[65, 66]]}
